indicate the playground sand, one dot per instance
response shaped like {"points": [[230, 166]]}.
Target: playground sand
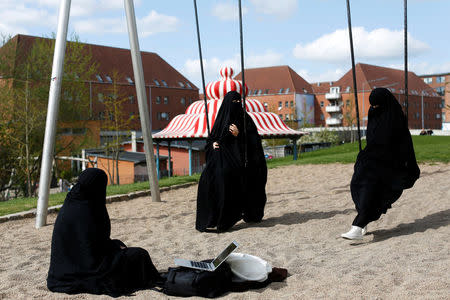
{"points": [[405, 255]]}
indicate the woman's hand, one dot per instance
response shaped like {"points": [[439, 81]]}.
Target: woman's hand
{"points": [[215, 145], [234, 130]]}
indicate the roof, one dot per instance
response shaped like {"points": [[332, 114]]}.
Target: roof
{"points": [[111, 59], [197, 145], [136, 157], [370, 76], [193, 123], [274, 79]]}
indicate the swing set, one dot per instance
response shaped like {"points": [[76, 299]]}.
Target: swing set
{"points": [[55, 90]]}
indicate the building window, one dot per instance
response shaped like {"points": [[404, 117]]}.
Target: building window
{"points": [[108, 78], [321, 103], [78, 131], [158, 100], [188, 85], [347, 89], [190, 101], [99, 78], [335, 90], [428, 80], [292, 117], [183, 101], [438, 116], [164, 116], [156, 82], [347, 103], [100, 97], [164, 83], [286, 116], [287, 91], [259, 92], [181, 84], [130, 81], [158, 115], [440, 90], [322, 117], [166, 100], [286, 104], [280, 116], [440, 79], [292, 103], [280, 105], [131, 99], [281, 91], [266, 92], [101, 115]]}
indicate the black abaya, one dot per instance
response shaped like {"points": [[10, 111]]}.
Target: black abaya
{"points": [[387, 165], [83, 257], [228, 191]]}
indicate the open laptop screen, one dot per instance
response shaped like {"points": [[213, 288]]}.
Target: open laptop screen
{"points": [[222, 256]]}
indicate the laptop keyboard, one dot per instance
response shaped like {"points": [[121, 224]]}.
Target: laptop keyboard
{"points": [[200, 264]]}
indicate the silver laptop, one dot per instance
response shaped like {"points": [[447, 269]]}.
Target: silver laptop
{"points": [[212, 266]]}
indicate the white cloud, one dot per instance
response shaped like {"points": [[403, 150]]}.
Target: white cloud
{"points": [[278, 8], [155, 23], [151, 24], [16, 18], [329, 75], [227, 11], [380, 43]]}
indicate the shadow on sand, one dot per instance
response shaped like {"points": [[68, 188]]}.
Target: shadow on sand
{"points": [[293, 218], [433, 221]]}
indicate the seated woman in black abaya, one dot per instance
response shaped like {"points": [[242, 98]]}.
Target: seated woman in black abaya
{"points": [[386, 166], [83, 257], [225, 193]]}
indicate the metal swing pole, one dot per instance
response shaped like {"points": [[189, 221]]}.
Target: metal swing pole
{"points": [[142, 99], [52, 113], [406, 58], [355, 89], [201, 67], [243, 83]]}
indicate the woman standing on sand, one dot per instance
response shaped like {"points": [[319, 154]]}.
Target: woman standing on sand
{"points": [[84, 259], [386, 166], [227, 191]]}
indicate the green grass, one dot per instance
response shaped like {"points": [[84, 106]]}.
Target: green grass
{"points": [[23, 204], [429, 149]]}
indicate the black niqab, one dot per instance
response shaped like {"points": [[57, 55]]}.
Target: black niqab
{"points": [[84, 259], [225, 196], [387, 165]]}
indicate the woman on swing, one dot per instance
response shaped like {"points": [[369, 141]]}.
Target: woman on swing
{"points": [[225, 193], [386, 166]]}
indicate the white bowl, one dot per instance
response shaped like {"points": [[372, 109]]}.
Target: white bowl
{"points": [[249, 267]]}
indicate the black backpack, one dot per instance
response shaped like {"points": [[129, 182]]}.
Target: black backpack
{"points": [[186, 282]]}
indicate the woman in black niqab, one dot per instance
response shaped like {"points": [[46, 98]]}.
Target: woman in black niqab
{"points": [[386, 166], [84, 259], [225, 196]]}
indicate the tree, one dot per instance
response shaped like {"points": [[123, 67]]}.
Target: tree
{"points": [[116, 121], [349, 114], [26, 71]]}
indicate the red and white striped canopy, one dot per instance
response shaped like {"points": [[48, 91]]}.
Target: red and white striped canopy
{"points": [[192, 124]]}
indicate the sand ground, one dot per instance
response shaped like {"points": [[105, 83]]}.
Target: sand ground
{"points": [[405, 255]]}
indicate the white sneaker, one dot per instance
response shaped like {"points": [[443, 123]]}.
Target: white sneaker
{"points": [[355, 233], [364, 230]]}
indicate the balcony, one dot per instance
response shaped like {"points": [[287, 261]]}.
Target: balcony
{"points": [[333, 96], [334, 121], [333, 108]]}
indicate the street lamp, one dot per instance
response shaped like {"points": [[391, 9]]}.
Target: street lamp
{"points": [[363, 91]]}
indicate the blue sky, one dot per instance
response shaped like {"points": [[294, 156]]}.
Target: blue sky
{"points": [[309, 36]]}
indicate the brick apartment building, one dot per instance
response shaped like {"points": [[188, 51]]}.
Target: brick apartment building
{"points": [[331, 104], [335, 100], [441, 84], [170, 92], [282, 91]]}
